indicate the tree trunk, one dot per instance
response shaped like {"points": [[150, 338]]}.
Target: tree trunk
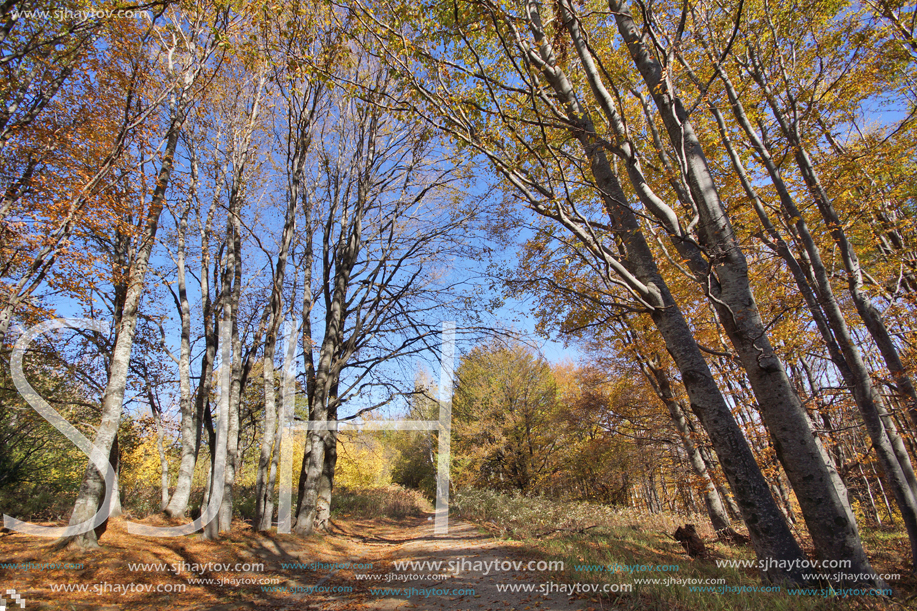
{"points": [[867, 310], [262, 491], [192, 408], [92, 487], [160, 448], [269, 437], [218, 438], [892, 457], [819, 489], [314, 460], [324, 402], [114, 507], [769, 532], [326, 483], [660, 381], [236, 383]]}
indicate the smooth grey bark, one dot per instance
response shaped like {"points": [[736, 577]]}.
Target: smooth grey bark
{"points": [[190, 434], [314, 460], [270, 439], [92, 487], [217, 437], [326, 483], [192, 413], [163, 465], [220, 456], [230, 371], [236, 382], [659, 380], [267, 511], [307, 344], [894, 461], [769, 532], [240, 154], [190, 438], [239, 370], [114, 506], [819, 489], [327, 372], [263, 492], [300, 117]]}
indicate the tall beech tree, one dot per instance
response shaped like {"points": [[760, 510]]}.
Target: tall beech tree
{"points": [[186, 48], [192, 403], [303, 98], [723, 271], [393, 218], [487, 77]]}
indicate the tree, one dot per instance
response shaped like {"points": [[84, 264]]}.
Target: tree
{"points": [[241, 116], [392, 216], [556, 162], [507, 424], [303, 94], [65, 163], [190, 49]]}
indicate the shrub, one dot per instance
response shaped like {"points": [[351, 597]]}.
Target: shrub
{"points": [[391, 502]]}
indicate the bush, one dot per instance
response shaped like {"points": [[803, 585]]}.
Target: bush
{"points": [[39, 503], [522, 517], [141, 501], [391, 502]]}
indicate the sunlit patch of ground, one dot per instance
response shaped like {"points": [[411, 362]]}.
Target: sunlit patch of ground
{"points": [[257, 569]]}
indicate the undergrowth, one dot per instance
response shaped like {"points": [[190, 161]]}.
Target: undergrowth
{"points": [[391, 501], [591, 538]]}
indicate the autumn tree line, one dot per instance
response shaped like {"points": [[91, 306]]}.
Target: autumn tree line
{"points": [[201, 177], [713, 202]]}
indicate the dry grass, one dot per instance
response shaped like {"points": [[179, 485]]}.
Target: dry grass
{"points": [[392, 502], [583, 534]]}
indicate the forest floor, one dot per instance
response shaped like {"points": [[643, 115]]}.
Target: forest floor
{"points": [[351, 567], [356, 566]]}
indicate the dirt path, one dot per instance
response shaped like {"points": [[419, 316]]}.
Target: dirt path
{"points": [[357, 566], [473, 568]]}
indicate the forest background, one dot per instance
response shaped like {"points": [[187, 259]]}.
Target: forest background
{"points": [[711, 205]]}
